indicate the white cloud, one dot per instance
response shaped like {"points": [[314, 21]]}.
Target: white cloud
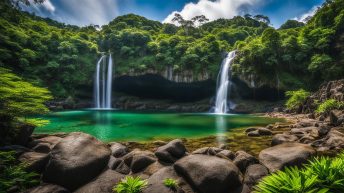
{"points": [[212, 9], [48, 6], [310, 13]]}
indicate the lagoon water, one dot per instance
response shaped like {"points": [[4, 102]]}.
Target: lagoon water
{"points": [[113, 125]]}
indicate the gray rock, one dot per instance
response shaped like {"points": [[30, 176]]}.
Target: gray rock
{"points": [[122, 168], [47, 188], [207, 150], [138, 160], [253, 133], [114, 162], [209, 174], [155, 182], [283, 138], [118, 150], [333, 140], [243, 160], [226, 153], [75, 160], [286, 154], [250, 129], [42, 148], [171, 152], [264, 131], [103, 183], [35, 161], [254, 173], [23, 134]]}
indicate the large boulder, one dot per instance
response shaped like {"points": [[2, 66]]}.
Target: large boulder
{"points": [[209, 174], [286, 154], [75, 160], [137, 160], [243, 160], [35, 161], [48, 188], [171, 152], [118, 150], [156, 185], [103, 183]]}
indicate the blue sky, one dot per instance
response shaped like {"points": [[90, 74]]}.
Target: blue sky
{"points": [[100, 12]]}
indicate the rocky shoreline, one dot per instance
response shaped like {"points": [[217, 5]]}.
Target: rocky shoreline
{"points": [[78, 162]]}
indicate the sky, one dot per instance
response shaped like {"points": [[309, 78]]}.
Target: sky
{"points": [[100, 12]]}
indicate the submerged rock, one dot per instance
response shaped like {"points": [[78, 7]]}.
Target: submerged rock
{"points": [[209, 174], [75, 160], [286, 154], [171, 152], [103, 183]]}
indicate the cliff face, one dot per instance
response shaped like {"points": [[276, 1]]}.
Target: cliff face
{"points": [[329, 90]]}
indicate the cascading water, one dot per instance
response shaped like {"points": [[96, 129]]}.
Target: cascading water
{"points": [[223, 84], [103, 84]]}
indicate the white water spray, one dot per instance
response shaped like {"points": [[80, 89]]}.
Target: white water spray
{"points": [[223, 84], [109, 84]]}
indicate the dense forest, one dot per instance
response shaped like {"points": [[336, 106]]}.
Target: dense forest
{"points": [[62, 57]]}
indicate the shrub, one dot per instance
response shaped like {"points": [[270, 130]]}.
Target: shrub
{"points": [[130, 185], [329, 105], [171, 183], [296, 98], [320, 175], [13, 173]]}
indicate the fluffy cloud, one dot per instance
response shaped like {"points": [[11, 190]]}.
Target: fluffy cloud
{"points": [[212, 9], [309, 13]]}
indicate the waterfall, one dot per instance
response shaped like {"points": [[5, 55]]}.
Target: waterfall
{"points": [[103, 84], [223, 84], [109, 84]]}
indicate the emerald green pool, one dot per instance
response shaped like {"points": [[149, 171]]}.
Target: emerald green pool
{"points": [[136, 126]]}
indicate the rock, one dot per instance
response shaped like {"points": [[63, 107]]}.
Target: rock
{"points": [[75, 160], [264, 131], [122, 168], [103, 183], [207, 150], [171, 152], [254, 173], [283, 138], [250, 129], [333, 140], [138, 160], [323, 130], [35, 161], [243, 160], [209, 174], [286, 154], [334, 117], [253, 133], [118, 150], [47, 188], [310, 131], [42, 148], [114, 162], [155, 182], [226, 153]]}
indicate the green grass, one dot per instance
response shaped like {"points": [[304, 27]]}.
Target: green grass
{"points": [[321, 175], [130, 185], [171, 183], [13, 173], [328, 105]]}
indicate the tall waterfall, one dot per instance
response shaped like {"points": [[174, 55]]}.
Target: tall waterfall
{"points": [[223, 84], [103, 83]]}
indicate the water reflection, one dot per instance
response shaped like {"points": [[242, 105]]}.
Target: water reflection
{"points": [[221, 127], [102, 120]]}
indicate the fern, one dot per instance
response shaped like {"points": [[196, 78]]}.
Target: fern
{"points": [[130, 185]]}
